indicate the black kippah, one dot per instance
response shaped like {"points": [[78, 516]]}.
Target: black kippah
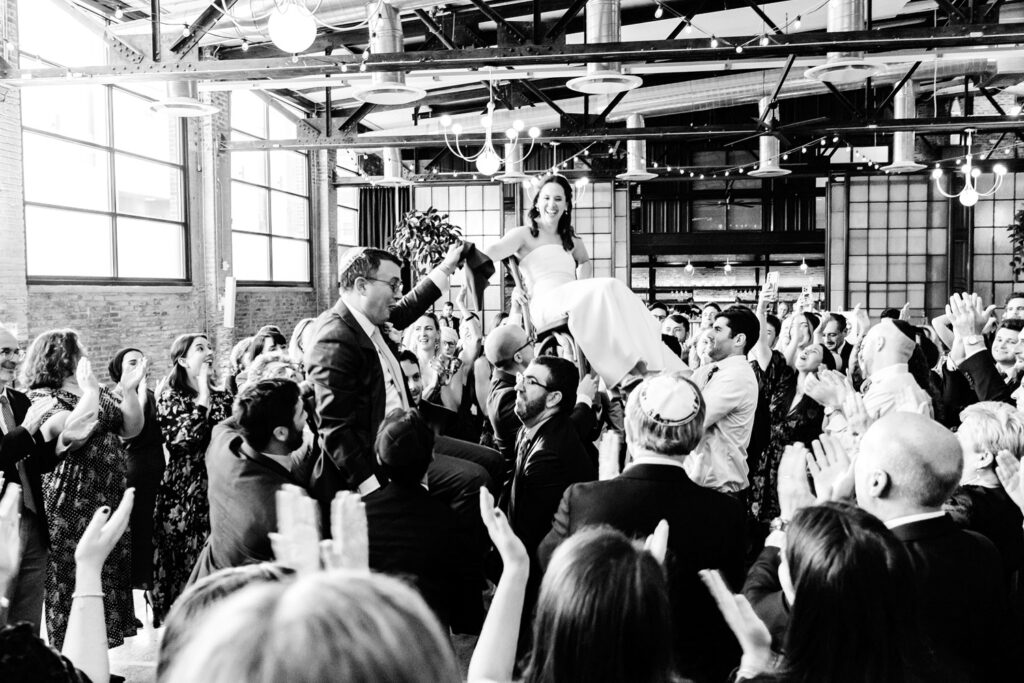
{"points": [[908, 330]]}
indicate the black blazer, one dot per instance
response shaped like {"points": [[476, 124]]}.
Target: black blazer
{"points": [[242, 488], [18, 445], [348, 385], [986, 381], [706, 530], [415, 535], [764, 593]]}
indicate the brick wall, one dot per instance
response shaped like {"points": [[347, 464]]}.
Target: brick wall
{"points": [[13, 291], [259, 306]]}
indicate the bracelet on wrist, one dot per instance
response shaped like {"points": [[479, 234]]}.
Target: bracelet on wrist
{"points": [[88, 595]]}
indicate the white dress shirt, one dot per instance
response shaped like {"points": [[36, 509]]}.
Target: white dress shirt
{"points": [[894, 388], [394, 387], [729, 388]]}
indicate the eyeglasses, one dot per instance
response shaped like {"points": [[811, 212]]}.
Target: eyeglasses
{"points": [[395, 285], [530, 380], [11, 353], [521, 347]]}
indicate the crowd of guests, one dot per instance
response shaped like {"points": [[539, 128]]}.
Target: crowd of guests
{"points": [[818, 496]]}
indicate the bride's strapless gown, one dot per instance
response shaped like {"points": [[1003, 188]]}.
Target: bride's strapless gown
{"points": [[610, 323]]}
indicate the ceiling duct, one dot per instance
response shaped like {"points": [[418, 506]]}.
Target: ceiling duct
{"points": [[513, 164], [604, 25], [636, 154], [392, 158], [387, 87], [905, 105], [183, 100], [844, 67], [768, 159]]}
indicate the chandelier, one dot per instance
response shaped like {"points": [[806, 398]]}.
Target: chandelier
{"points": [[487, 159], [969, 195]]}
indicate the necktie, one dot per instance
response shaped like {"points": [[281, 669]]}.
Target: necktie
{"points": [[392, 364], [711, 373], [523, 445], [7, 417]]}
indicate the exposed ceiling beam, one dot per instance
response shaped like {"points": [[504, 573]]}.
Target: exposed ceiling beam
{"points": [[201, 26], [778, 88], [558, 30], [690, 51], [987, 124], [896, 88]]}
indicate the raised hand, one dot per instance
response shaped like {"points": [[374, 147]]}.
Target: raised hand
{"points": [[753, 636], [103, 533], [512, 551], [905, 312], [794, 490], [831, 469], [608, 455], [828, 388], [856, 413], [657, 543], [967, 314], [131, 380], [297, 541], [1010, 475], [36, 412], [587, 387], [85, 377], [453, 257], [349, 547], [78, 427], [10, 545]]}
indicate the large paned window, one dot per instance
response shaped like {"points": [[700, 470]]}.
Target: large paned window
{"points": [[269, 197], [993, 276], [347, 202], [104, 176]]}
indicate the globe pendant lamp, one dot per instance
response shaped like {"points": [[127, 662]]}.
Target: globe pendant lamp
{"points": [[291, 26]]}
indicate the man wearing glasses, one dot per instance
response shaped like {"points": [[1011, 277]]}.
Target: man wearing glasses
{"points": [[23, 456]]}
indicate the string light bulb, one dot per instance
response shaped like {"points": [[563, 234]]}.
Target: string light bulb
{"points": [[764, 41], [739, 49], [119, 13], [714, 41], [659, 12], [245, 46], [796, 23], [803, 265], [689, 27]]}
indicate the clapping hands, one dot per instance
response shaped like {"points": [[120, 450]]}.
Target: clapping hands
{"points": [[794, 490], [512, 551], [753, 636], [85, 377], [831, 469], [349, 545], [103, 533], [829, 388], [297, 541], [608, 455]]}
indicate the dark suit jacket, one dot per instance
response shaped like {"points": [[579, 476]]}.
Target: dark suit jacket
{"points": [[18, 445], [764, 592], [706, 530], [415, 535], [554, 459], [242, 487], [986, 381], [348, 384]]}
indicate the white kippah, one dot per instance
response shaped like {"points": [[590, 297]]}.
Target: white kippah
{"points": [[668, 399], [349, 258]]}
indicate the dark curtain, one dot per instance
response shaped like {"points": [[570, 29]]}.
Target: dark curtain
{"points": [[380, 210]]}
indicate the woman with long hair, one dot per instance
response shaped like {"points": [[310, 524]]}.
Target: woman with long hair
{"points": [[91, 471], [188, 407], [557, 275], [853, 616]]}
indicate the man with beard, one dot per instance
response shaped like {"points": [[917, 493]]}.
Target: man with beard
{"points": [[251, 455]]}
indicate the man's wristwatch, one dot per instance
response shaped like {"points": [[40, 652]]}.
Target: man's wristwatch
{"points": [[973, 340], [778, 524]]}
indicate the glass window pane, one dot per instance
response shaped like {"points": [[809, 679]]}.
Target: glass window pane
{"points": [[148, 249], [86, 168], [249, 166], [289, 215], [288, 171], [707, 216], [249, 208], [248, 113], [78, 111], [145, 188], [291, 260], [140, 130], [67, 243], [348, 226], [48, 28], [281, 127], [251, 256]]}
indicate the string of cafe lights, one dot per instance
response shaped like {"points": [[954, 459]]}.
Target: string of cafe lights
{"points": [[764, 39]]}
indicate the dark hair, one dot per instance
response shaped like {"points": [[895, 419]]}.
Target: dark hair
{"points": [[262, 407], [827, 359], [365, 265], [1013, 295], [603, 614], [711, 304], [404, 445], [840, 320], [24, 656], [564, 377], [854, 619], [774, 321], [680, 319], [741, 320], [264, 333], [52, 357], [498, 317], [657, 304], [407, 356], [114, 368], [891, 313], [564, 230], [1013, 324], [177, 378], [189, 609], [812, 321]]}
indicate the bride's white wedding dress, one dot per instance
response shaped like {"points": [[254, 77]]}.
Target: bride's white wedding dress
{"points": [[610, 323]]}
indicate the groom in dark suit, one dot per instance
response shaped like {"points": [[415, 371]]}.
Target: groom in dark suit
{"points": [[357, 379], [664, 423], [23, 458]]}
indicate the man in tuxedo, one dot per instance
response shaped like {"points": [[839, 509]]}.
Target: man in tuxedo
{"points": [[357, 379], [24, 456], [664, 423], [549, 453], [251, 455], [447, 317], [834, 339], [412, 534]]}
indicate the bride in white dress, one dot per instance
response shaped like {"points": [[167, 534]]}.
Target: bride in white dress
{"points": [[612, 326]]}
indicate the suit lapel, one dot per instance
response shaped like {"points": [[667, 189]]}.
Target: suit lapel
{"points": [[262, 461], [372, 359]]}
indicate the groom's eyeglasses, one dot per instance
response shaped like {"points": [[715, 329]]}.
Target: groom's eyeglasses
{"points": [[531, 381], [395, 285]]}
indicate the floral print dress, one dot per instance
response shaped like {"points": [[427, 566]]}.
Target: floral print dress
{"points": [[182, 517], [84, 479]]}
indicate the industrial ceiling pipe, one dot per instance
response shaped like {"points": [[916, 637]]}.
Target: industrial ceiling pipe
{"points": [[386, 37], [844, 67], [604, 25]]}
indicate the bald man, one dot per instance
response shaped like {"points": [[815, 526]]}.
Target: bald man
{"points": [[907, 468], [884, 355]]}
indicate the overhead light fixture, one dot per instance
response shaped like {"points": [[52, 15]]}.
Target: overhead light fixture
{"points": [[803, 265], [689, 266], [604, 22], [636, 154], [903, 142], [291, 26], [393, 177], [969, 195], [386, 37], [728, 266], [843, 67], [768, 144], [183, 100]]}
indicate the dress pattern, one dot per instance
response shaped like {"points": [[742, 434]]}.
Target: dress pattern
{"points": [[800, 423], [182, 518], [86, 478]]}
